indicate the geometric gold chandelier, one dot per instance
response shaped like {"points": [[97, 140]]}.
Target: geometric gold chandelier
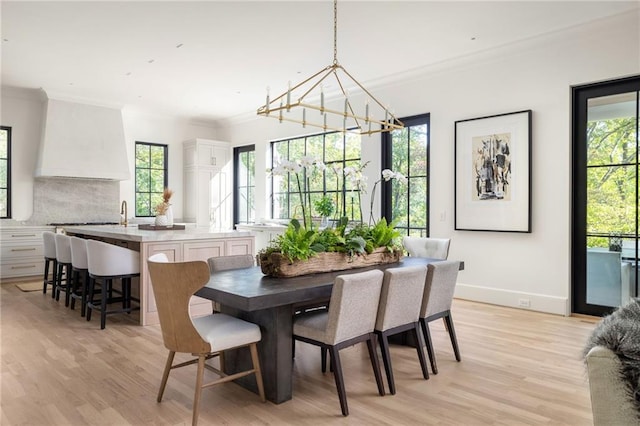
{"points": [[304, 103]]}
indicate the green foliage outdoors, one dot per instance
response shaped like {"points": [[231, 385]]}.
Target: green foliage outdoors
{"points": [[611, 179], [150, 181]]}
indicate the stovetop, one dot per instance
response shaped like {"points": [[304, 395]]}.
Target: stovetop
{"points": [[83, 223]]}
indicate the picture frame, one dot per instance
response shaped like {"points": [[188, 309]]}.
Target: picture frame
{"points": [[493, 173]]}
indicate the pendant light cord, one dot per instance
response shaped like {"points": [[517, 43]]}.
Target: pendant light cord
{"points": [[335, 32]]}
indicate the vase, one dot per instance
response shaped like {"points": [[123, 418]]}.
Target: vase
{"points": [[277, 265], [169, 214], [324, 223], [161, 220]]}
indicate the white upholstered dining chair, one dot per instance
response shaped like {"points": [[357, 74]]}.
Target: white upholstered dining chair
{"points": [[438, 297], [434, 248], [351, 319]]}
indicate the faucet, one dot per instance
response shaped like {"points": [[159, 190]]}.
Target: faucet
{"points": [[123, 210]]}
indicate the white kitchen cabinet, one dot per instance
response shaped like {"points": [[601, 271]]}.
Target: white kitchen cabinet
{"points": [[264, 234], [22, 251], [208, 183]]}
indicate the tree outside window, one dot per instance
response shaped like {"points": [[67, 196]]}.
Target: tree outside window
{"points": [[151, 177], [244, 184], [407, 151], [5, 172], [337, 151]]}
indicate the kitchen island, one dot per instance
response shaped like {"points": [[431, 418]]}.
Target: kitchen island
{"points": [[179, 245]]}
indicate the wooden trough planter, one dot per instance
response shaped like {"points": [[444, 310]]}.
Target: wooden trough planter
{"points": [[277, 265]]}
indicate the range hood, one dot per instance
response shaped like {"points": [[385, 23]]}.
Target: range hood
{"points": [[82, 141]]}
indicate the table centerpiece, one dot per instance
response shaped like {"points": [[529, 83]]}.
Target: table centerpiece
{"points": [[305, 248]]}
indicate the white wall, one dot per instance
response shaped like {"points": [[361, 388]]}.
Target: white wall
{"points": [[537, 74], [22, 110]]}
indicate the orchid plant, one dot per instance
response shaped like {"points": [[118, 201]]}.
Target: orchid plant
{"points": [[387, 175], [300, 241]]}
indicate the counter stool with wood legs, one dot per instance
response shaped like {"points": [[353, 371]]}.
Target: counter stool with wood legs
{"points": [[108, 262], [49, 260], [63, 271], [80, 268]]}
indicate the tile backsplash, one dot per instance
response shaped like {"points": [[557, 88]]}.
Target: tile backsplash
{"points": [[70, 200]]}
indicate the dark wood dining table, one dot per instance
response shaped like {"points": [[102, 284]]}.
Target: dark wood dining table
{"points": [[270, 302]]}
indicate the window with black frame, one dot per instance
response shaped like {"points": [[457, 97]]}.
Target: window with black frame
{"points": [[244, 184], [338, 152], [406, 151], [5, 172], [151, 177]]}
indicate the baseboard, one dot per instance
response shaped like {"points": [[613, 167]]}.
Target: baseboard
{"points": [[514, 299]]}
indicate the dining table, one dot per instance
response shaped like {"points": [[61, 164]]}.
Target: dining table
{"points": [[270, 302]]}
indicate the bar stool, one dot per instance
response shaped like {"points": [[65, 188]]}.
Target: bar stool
{"points": [[79, 267], [63, 256], [107, 262], [49, 260]]}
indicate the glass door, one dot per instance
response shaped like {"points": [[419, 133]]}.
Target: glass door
{"points": [[606, 210]]}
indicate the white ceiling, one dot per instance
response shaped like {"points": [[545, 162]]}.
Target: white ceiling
{"points": [[126, 53]]}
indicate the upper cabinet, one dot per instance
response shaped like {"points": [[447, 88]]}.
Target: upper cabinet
{"points": [[205, 152], [208, 183]]}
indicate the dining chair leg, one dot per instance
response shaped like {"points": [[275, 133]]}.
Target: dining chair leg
{"points": [[429, 344], [221, 360], [375, 364], [103, 304], [339, 378], [74, 289], [69, 275], [323, 359], [90, 296], [423, 362], [165, 375], [257, 371], [452, 336], [196, 398], [59, 282], [85, 293], [47, 262], [54, 285], [386, 360]]}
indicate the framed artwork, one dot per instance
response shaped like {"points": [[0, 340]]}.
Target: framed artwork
{"points": [[493, 173]]}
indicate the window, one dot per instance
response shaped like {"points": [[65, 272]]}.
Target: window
{"points": [[336, 150], [151, 177], [244, 165], [407, 151], [606, 200], [5, 172]]}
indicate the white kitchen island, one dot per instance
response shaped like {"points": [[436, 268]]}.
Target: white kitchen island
{"points": [[179, 245]]}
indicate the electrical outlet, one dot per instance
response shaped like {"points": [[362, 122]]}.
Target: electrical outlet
{"points": [[524, 303]]}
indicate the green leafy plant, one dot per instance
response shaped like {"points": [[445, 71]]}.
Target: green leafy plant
{"points": [[297, 243], [325, 206]]}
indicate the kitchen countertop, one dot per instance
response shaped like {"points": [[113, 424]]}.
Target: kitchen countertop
{"points": [[132, 233]]}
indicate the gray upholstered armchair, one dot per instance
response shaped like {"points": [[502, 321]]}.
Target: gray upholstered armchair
{"points": [[612, 355]]}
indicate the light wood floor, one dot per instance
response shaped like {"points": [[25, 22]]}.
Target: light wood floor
{"points": [[518, 368]]}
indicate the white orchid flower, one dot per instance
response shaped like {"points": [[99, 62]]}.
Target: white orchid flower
{"points": [[306, 161], [401, 178], [388, 174]]}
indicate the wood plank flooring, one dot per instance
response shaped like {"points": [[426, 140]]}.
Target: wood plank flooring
{"points": [[518, 368]]}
